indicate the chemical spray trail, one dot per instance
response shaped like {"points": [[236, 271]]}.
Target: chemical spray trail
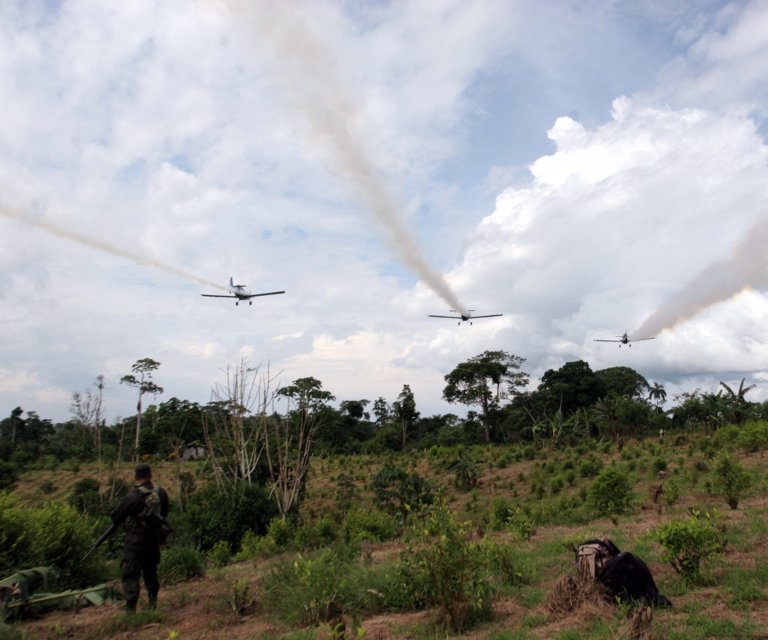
{"points": [[100, 245], [314, 88], [746, 267]]}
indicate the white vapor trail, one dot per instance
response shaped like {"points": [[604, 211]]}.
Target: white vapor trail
{"points": [[746, 267], [100, 245], [315, 89]]}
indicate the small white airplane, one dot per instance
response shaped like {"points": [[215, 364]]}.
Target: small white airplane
{"points": [[461, 317], [239, 292], [625, 339]]}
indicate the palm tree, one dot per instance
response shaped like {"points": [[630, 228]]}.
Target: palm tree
{"points": [[657, 394], [736, 403]]}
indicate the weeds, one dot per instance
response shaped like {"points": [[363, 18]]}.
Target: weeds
{"points": [[240, 600]]}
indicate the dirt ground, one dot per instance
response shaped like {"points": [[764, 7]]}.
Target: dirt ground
{"points": [[199, 609]]}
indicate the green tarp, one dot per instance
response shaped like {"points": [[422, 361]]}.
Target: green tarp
{"points": [[25, 594]]}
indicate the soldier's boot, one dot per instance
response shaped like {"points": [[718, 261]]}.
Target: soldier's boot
{"points": [[152, 595]]}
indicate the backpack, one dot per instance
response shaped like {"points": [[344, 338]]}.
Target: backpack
{"points": [[629, 578], [149, 518], [592, 555], [624, 574]]}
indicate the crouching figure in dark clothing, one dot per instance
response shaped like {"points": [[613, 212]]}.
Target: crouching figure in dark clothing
{"points": [[625, 575], [142, 513]]}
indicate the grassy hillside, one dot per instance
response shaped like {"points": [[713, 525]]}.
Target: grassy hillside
{"points": [[549, 492]]}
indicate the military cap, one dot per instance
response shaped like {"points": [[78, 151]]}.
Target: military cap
{"points": [[143, 471]]}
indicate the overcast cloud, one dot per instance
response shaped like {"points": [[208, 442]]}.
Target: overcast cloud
{"points": [[576, 168]]}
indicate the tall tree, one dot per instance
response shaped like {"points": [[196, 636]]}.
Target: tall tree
{"points": [[657, 394], [570, 387], [381, 410], [141, 378], [479, 380], [623, 381], [405, 410], [13, 424], [290, 440]]}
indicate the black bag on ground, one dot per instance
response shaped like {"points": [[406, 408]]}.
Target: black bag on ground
{"points": [[624, 574], [629, 578]]}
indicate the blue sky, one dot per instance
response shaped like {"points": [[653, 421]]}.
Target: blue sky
{"points": [[584, 168]]}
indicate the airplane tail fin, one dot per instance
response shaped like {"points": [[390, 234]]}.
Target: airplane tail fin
{"points": [[231, 282]]}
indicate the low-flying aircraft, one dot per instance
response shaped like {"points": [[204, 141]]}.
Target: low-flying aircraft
{"points": [[239, 292], [461, 317], [624, 339]]}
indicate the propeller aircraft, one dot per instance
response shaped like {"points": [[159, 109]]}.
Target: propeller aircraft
{"points": [[624, 339], [464, 317], [239, 292]]}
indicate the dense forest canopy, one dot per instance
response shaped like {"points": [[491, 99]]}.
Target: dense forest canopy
{"points": [[568, 403]]}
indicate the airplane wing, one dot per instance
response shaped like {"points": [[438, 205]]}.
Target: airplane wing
{"points": [[451, 317], [599, 340], [492, 315], [216, 295], [641, 339], [256, 295]]}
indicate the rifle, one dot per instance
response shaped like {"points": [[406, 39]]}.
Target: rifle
{"points": [[102, 538]]}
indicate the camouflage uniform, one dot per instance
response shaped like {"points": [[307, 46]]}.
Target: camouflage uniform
{"points": [[141, 549]]}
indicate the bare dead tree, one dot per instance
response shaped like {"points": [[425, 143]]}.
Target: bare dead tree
{"points": [[290, 441], [233, 423], [87, 408]]}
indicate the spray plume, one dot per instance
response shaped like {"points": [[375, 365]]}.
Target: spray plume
{"points": [[100, 245], [313, 86], [746, 267]]}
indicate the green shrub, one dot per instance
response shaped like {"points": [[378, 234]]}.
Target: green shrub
{"points": [[213, 514], [448, 570], [51, 535], [180, 563], [611, 493], [250, 547], [346, 491], [60, 537], [318, 587], [590, 467], [505, 565], [9, 475], [315, 534], [687, 543], [670, 492], [220, 554], [368, 524], [497, 518], [753, 437], [520, 523], [465, 471], [731, 480], [280, 533], [85, 496], [13, 536], [398, 492]]}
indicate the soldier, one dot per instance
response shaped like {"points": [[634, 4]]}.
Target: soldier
{"points": [[142, 512]]}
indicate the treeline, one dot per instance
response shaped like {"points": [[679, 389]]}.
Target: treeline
{"points": [[570, 403]]}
